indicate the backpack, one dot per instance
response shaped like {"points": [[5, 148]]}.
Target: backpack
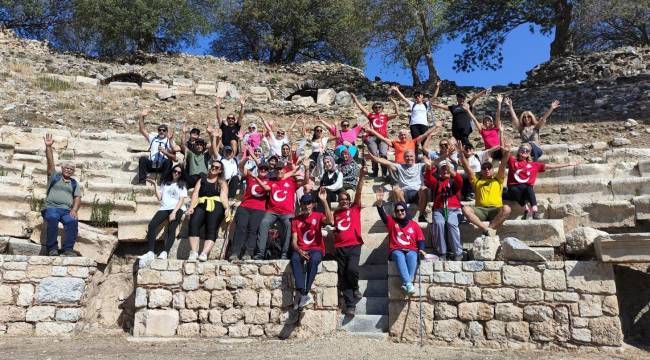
{"points": [[58, 177]]}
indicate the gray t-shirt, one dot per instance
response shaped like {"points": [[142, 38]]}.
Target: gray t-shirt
{"points": [[410, 177], [60, 195]]}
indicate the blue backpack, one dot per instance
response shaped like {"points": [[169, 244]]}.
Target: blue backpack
{"points": [[56, 179]]}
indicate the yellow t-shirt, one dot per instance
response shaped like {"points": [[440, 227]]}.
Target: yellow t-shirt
{"points": [[488, 191]]}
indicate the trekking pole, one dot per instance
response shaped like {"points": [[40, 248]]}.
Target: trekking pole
{"points": [[420, 300]]}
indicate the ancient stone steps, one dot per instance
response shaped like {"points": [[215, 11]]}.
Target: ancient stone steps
{"points": [[623, 248], [373, 305], [373, 288], [360, 324]]}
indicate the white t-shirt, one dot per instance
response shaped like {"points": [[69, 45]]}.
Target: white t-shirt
{"points": [[275, 145], [170, 195], [230, 167], [319, 145], [419, 114], [155, 141]]}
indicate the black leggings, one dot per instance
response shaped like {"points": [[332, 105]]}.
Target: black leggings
{"points": [[462, 135], [522, 194], [347, 259], [212, 220], [248, 223], [170, 235], [233, 186]]}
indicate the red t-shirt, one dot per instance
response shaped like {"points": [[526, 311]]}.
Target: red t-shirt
{"points": [[254, 196], [490, 137], [379, 123], [439, 187], [307, 229], [348, 227], [405, 238], [523, 172], [282, 197]]}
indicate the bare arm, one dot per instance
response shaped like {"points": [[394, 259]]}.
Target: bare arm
{"points": [[395, 108], [505, 150], [322, 196], [437, 89], [218, 111], [477, 96], [264, 186], [382, 161], [380, 137], [399, 93], [513, 114], [362, 173], [156, 189], [329, 126], [49, 153], [359, 105], [542, 121], [439, 106], [195, 197], [76, 204], [224, 196], [242, 102], [559, 166], [474, 119], [141, 127], [497, 116], [424, 136]]}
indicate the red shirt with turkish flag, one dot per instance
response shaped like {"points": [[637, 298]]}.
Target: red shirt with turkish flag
{"points": [[379, 123], [403, 238], [254, 196], [307, 229], [282, 197], [523, 172], [452, 187], [348, 227]]}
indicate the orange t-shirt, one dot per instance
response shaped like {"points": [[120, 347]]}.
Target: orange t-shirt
{"points": [[401, 147]]}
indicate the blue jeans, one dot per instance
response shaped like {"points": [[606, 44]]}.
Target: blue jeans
{"points": [[300, 273], [70, 228], [449, 237], [406, 262]]}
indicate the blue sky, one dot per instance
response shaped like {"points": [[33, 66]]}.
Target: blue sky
{"points": [[522, 50]]}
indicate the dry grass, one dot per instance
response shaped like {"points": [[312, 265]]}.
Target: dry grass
{"points": [[64, 106], [20, 68], [52, 84]]}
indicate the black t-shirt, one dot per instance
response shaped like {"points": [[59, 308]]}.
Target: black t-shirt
{"points": [[460, 119], [229, 133]]}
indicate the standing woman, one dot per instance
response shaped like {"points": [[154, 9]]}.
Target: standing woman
{"points": [[208, 207], [406, 240], [529, 126], [318, 146], [171, 194]]}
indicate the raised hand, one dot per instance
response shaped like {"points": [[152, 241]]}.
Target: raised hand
{"points": [[242, 100], [507, 101], [48, 140], [145, 112], [555, 104], [438, 83], [322, 194], [240, 134], [394, 88], [466, 106], [218, 101], [353, 96], [499, 98]]}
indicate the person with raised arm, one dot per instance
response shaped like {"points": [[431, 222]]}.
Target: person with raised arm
{"points": [[378, 122], [461, 123], [409, 188], [62, 203], [209, 206], [528, 126], [445, 184], [406, 240], [346, 136], [161, 154], [198, 156], [347, 243], [280, 206], [276, 140], [318, 143], [490, 129], [403, 143], [171, 193], [522, 175], [252, 137], [307, 244], [231, 126], [419, 118], [250, 212]]}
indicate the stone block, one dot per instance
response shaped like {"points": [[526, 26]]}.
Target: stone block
{"points": [[620, 248], [199, 299], [566, 296], [60, 290], [226, 89], [590, 306], [538, 233], [404, 320], [214, 283], [206, 90], [495, 330], [642, 205], [212, 330], [473, 266], [581, 335], [521, 276], [325, 96], [11, 313], [178, 300], [119, 85], [154, 87], [590, 277], [508, 312], [514, 250], [20, 329], [530, 295], [475, 311], [485, 248], [326, 279], [474, 293], [148, 277], [580, 241], [493, 265], [140, 297], [54, 329], [498, 295], [259, 94], [475, 331], [302, 101], [222, 299], [180, 82], [68, 314], [537, 313], [610, 305], [343, 98], [40, 313], [171, 277], [448, 330], [159, 298], [161, 323], [246, 297], [190, 282], [6, 295], [462, 278], [443, 277], [518, 330], [449, 294], [86, 80], [487, 278], [543, 331], [186, 315], [214, 316], [445, 311], [25, 295], [554, 280], [188, 330], [256, 315], [232, 316]]}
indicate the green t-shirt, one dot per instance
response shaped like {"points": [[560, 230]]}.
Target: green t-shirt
{"points": [[60, 195], [196, 163]]}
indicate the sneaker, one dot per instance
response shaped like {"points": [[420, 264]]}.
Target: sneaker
{"points": [[203, 257], [146, 259], [284, 257], [69, 253], [233, 258], [404, 289], [490, 232], [410, 289], [470, 197], [357, 294], [258, 257], [163, 255], [524, 216], [422, 218], [304, 301], [53, 252], [537, 216], [246, 257], [193, 256], [458, 257], [349, 311]]}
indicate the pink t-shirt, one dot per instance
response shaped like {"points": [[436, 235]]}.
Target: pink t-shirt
{"points": [[490, 137], [350, 135], [253, 139]]}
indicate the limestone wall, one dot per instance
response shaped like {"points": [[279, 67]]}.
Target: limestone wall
{"points": [[509, 305], [43, 296], [222, 299]]}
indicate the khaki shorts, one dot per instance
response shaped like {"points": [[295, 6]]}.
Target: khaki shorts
{"points": [[486, 213]]}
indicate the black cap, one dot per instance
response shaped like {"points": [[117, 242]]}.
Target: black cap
{"points": [[461, 95], [307, 198], [162, 126], [195, 131]]}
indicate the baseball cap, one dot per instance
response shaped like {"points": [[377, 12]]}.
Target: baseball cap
{"points": [[444, 163], [307, 198], [227, 148]]}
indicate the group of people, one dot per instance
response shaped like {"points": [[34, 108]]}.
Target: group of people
{"points": [[280, 192]]}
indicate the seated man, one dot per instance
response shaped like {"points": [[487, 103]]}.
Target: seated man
{"points": [[488, 189], [62, 201], [161, 154], [409, 188]]}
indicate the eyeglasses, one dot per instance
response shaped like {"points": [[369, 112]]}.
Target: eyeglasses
{"points": [[400, 210]]}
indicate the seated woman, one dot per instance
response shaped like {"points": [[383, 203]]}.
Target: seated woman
{"points": [[405, 241], [528, 126], [208, 208], [171, 194], [350, 170], [490, 129], [346, 137], [332, 180], [308, 245], [522, 174]]}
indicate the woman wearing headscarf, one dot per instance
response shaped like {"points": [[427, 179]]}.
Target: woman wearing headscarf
{"points": [[350, 170]]}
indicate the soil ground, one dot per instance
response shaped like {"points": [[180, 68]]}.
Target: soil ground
{"points": [[339, 346]]}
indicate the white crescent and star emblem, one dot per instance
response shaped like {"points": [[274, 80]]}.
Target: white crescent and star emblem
{"points": [[313, 222], [522, 179], [306, 239], [377, 123], [279, 198], [254, 191], [401, 240], [344, 223]]}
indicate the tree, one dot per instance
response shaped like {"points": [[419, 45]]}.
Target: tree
{"points": [[408, 31], [281, 31], [485, 24], [33, 18], [605, 24]]}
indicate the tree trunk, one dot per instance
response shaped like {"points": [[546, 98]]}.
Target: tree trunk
{"points": [[433, 73], [562, 45], [413, 66]]}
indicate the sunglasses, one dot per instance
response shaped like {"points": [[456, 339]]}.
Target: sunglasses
{"points": [[215, 167], [280, 132], [524, 150], [486, 167], [345, 125], [318, 130], [162, 130], [262, 169], [400, 210], [230, 118], [444, 145], [176, 171]]}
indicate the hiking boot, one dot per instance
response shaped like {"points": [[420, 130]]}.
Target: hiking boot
{"points": [[146, 259], [304, 301], [163, 255], [53, 252], [284, 257], [404, 289], [69, 253], [537, 216], [246, 257], [193, 256], [233, 258], [457, 257], [258, 257]]}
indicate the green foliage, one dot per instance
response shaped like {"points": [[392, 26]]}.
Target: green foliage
{"points": [[36, 204], [3, 172], [33, 18], [59, 105], [281, 31], [100, 213], [52, 84]]}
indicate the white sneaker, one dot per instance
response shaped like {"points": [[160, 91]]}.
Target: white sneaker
{"points": [[304, 301], [193, 256], [163, 255], [146, 259], [203, 257]]}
